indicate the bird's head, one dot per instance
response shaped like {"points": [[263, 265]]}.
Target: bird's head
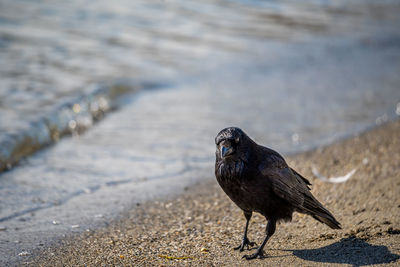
{"points": [[231, 143]]}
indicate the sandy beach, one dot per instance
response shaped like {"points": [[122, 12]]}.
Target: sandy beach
{"points": [[200, 227]]}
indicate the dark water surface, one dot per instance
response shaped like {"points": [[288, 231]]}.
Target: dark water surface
{"points": [[294, 75]]}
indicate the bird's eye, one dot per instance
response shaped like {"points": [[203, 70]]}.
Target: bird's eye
{"points": [[237, 140]]}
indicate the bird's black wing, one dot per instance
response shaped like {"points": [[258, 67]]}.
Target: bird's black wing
{"points": [[285, 184], [306, 181], [293, 188], [289, 185]]}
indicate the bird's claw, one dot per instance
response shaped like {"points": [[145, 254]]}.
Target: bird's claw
{"points": [[259, 254], [245, 242]]}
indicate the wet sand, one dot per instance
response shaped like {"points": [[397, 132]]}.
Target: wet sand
{"points": [[200, 227]]}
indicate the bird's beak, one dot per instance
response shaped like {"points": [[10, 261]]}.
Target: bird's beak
{"points": [[225, 151]]}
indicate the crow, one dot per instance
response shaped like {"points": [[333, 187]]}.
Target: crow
{"points": [[257, 179]]}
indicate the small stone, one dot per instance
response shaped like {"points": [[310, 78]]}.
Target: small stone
{"points": [[24, 253], [87, 190]]}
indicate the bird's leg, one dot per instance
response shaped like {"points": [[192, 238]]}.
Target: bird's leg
{"points": [[245, 241], [259, 253]]}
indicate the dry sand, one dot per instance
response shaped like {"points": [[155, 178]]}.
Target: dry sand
{"points": [[200, 227]]}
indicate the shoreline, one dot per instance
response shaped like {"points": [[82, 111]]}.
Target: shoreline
{"points": [[200, 226], [73, 116]]}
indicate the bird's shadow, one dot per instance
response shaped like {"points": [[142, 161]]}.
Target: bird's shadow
{"points": [[353, 251]]}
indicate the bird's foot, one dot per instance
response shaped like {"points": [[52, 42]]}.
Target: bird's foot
{"points": [[245, 242], [259, 254]]}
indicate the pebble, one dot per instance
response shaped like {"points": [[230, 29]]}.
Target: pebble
{"points": [[24, 253], [87, 190]]}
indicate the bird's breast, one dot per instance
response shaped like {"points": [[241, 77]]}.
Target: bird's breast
{"points": [[230, 176], [230, 169]]}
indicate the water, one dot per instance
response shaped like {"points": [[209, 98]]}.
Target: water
{"points": [[292, 75], [53, 51]]}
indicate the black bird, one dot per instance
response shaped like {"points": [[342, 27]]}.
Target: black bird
{"points": [[258, 179]]}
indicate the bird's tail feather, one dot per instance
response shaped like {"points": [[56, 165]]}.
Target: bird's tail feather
{"points": [[331, 222], [318, 212]]}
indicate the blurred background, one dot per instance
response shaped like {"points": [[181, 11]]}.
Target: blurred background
{"points": [[161, 78]]}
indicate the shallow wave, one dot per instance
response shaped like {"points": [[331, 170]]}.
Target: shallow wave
{"points": [[70, 117]]}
